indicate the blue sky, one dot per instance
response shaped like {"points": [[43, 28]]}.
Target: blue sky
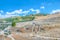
{"points": [[23, 7]]}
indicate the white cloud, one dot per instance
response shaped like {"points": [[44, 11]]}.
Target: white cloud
{"points": [[1, 11], [32, 9], [15, 12], [10, 15], [42, 7], [18, 12], [23, 12], [36, 10], [1, 16], [5, 16], [54, 11], [26, 11]]}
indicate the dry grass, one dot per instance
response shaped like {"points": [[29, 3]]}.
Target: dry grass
{"points": [[18, 37], [7, 38], [45, 17]]}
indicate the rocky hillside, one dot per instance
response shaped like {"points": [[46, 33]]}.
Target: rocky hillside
{"points": [[49, 18], [43, 20]]}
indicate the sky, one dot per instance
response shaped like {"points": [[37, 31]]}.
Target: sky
{"points": [[10, 8]]}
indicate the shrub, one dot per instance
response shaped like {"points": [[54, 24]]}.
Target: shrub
{"points": [[13, 24]]}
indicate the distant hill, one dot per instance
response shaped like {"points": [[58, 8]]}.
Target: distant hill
{"points": [[22, 18], [51, 16], [19, 19]]}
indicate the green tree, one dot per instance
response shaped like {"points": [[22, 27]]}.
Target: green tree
{"points": [[13, 24]]}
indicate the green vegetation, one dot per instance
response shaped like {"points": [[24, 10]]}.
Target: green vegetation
{"points": [[23, 18], [13, 24], [27, 18], [40, 14], [17, 19], [20, 19]]}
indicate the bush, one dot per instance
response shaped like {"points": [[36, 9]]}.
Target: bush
{"points": [[13, 24]]}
